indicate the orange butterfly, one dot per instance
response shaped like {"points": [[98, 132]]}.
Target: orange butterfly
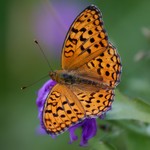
{"points": [[91, 69]]}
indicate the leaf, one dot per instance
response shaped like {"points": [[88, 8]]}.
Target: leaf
{"points": [[126, 108], [102, 146], [134, 126]]}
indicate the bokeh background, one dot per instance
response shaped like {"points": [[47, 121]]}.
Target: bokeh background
{"points": [[128, 26]]}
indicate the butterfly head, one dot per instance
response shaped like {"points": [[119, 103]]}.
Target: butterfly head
{"points": [[56, 75], [53, 75]]}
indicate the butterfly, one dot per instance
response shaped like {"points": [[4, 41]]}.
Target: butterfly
{"points": [[91, 69]]}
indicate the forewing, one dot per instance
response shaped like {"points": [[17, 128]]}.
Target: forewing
{"points": [[85, 40], [62, 110]]}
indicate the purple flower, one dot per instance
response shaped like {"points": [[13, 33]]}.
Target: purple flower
{"points": [[89, 126], [89, 129]]}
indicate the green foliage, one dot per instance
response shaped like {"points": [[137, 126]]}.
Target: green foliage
{"points": [[126, 126], [131, 109]]}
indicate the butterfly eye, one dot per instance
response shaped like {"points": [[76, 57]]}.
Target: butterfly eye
{"points": [[65, 76], [52, 75]]}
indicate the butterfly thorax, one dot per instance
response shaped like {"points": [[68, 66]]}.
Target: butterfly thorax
{"points": [[70, 77], [63, 77]]}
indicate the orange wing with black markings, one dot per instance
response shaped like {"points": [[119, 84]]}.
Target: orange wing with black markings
{"points": [[66, 106], [105, 68], [85, 40], [94, 102], [62, 110]]}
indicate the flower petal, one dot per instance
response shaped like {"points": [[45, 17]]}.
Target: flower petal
{"points": [[42, 95], [89, 129], [72, 129]]}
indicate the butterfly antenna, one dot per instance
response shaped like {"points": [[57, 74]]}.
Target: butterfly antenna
{"points": [[36, 42], [24, 87]]}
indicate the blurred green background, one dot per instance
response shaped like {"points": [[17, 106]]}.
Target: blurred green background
{"points": [[128, 26]]}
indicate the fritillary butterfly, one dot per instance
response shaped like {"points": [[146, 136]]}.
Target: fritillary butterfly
{"points": [[91, 69]]}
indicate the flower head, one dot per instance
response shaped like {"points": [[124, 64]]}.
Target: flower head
{"points": [[88, 125]]}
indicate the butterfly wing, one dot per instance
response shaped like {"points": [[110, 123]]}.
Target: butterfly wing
{"points": [[62, 109], [94, 102], [66, 106], [105, 68], [85, 40]]}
